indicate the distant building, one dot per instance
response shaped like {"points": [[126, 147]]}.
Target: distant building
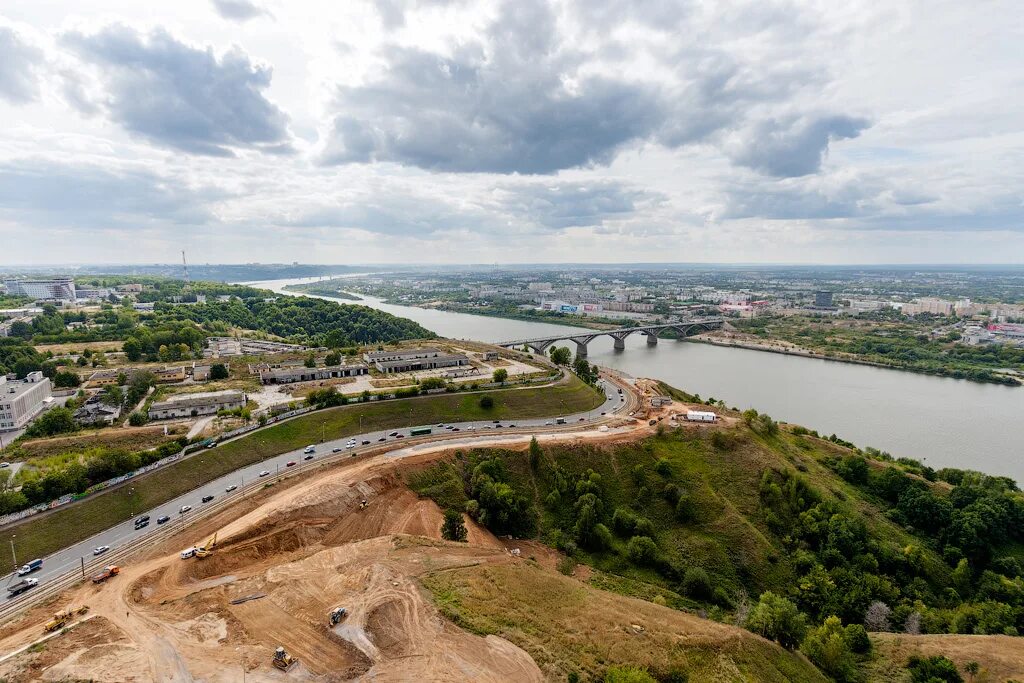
{"points": [[94, 411], [218, 347], [658, 401], [22, 400], [131, 288], [287, 375], [413, 360], [928, 305], [823, 299], [52, 289], [171, 374], [200, 373], [491, 355], [107, 377], [195, 405]]}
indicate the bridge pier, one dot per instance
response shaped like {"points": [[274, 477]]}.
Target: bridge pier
{"points": [[652, 338], [581, 349], [620, 344]]}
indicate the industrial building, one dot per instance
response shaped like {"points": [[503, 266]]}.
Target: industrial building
{"points": [[219, 347], [22, 400], [287, 375], [194, 405], [52, 289], [94, 412], [413, 360]]}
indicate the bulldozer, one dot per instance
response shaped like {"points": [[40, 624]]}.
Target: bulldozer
{"points": [[337, 614], [363, 504], [283, 660], [207, 548], [60, 619]]}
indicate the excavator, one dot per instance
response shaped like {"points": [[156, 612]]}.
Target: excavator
{"points": [[60, 619], [337, 614], [207, 548], [283, 660]]}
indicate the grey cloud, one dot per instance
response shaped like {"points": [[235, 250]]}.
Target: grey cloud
{"points": [[238, 10], [794, 148], [181, 97], [35, 192], [18, 64], [502, 106], [790, 203], [569, 205]]}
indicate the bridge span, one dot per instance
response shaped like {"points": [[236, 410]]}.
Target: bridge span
{"points": [[685, 328]]}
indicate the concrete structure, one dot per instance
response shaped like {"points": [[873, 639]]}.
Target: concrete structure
{"points": [[22, 400], [491, 355], [414, 360], [823, 299], [658, 401], [194, 405], [217, 347], [287, 375], [928, 305], [171, 374], [106, 377], [52, 289], [685, 328]]}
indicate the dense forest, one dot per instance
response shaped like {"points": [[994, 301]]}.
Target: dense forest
{"points": [[797, 538]]}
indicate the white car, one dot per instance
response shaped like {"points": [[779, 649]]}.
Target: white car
{"points": [[549, 423], [264, 473], [99, 550], [310, 449], [350, 444], [183, 509], [230, 488], [470, 428], [4, 464]]}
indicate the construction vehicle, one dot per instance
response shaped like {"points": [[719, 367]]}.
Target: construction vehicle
{"points": [[363, 504], [283, 660], [60, 619], [109, 571], [21, 587], [207, 548], [337, 614]]}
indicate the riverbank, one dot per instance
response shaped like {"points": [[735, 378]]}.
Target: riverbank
{"points": [[853, 360]]}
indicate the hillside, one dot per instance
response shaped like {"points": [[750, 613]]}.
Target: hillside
{"points": [[710, 519]]}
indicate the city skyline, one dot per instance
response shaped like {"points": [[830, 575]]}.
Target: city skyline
{"points": [[510, 133]]}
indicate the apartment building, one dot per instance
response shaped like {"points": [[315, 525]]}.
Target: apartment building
{"points": [[22, 400]]}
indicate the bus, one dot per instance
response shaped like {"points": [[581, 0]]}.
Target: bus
{"points": [[419, 431]]}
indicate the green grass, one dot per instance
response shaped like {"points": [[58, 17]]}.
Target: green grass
{"points": [[43, 535]]}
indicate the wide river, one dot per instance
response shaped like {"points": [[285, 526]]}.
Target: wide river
{"points": [[945, 422]]}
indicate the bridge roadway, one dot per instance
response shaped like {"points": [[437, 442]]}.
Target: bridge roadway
{"points": [[685, 328], [63, 563]]}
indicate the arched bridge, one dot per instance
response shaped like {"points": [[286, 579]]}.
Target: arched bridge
{"points": [[685, 328]]}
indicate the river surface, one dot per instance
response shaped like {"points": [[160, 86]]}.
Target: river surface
{"points": [[945, 422]]}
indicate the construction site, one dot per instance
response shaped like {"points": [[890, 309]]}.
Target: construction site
{"points": [[317, 578]]}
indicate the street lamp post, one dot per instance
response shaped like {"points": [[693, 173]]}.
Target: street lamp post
{"points": [[13, 556]]}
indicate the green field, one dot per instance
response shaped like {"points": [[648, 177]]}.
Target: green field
{"points": [[44, 535]]}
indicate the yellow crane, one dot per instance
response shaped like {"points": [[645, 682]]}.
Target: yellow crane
{"points": [[207, 548]]}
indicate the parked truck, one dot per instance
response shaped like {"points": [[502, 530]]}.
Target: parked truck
{"points": [[22, 586], [27, 569], [108, 572]]}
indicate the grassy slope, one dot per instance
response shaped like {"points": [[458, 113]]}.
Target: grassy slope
{"points": [[43, 535], [1001, 658], [568, 626]]}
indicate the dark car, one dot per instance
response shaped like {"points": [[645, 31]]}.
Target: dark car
{"points": [[393, 434], [290, 463], [383, 438], [142, 520], [400, 436], [366, 442], [336, 450], [141, 525], [511, 426], [207, 499], [310, 457], [161, 520]]}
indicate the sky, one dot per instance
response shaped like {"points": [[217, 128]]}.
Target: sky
{"points": [[527, 131]]}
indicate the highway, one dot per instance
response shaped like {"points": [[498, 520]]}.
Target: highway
{"points": [[59, 564]]}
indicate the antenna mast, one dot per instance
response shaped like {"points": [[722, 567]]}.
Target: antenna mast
{"points": [[184, 265]]}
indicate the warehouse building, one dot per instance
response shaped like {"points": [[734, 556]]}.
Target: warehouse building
{"points": [[22, 400], [287, 375], [194, 405]]}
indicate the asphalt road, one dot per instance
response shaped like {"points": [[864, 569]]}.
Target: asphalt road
{"points": [[63, 561]]}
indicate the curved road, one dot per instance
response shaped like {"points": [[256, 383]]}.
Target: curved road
{"points": [[59, 564]]}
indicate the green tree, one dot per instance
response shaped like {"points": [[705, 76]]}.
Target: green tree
{"points": [[132, 349], [828, 648], [112, 395], [934, 669], [560, 355], [486, 402], [500, 375], [66, 379], [453, 528], [310, 361], [778, 619], [642, 550], [535, 454], [54, 421], [137, 419], [697, 583], [332, 358], [219, 371]]}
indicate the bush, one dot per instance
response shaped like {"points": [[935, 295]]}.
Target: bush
{"points": [[486, 402], [663, 467], [219, 371], [641, 550], [857, 638], [827, 647], [627, 674], [453, 528], [137, 419], [54, 421], [697, 583], [778, 619], [65, 379], [934, 669]]}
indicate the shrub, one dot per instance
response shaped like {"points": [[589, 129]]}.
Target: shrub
{"points": [[486, 402], [857, 638], [453, 528], [641, 550], [137, 419], [219, 371], [696, 583], [934, 669], [627, 674], [663, 467], [827, 647]]}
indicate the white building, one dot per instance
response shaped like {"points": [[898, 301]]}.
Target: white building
{"points": [[57, 289], [22, 400], [194, 405], [928, 305]]}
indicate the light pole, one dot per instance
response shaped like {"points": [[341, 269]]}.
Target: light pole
{"points": [[322, 426], [13, 556]]}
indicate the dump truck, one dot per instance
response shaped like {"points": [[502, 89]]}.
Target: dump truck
{"points": [[283, 660], [207, 548], [60, 619], [337, 615], [109, 571], [22, 586]]}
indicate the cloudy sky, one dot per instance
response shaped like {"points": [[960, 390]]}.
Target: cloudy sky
{"points": [[449, 131]]}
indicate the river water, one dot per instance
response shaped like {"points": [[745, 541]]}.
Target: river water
{"points": [[945, 422]]}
